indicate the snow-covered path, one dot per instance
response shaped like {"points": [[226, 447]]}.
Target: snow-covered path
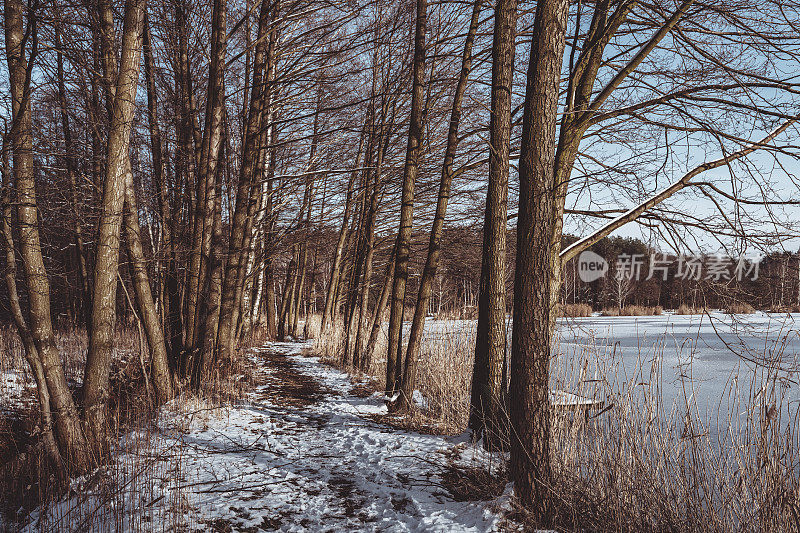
{"points": [[299, 453], [300, 456]]}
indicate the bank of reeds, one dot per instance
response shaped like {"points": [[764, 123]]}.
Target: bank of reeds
{"points": [[633, 310], [639, 461]]}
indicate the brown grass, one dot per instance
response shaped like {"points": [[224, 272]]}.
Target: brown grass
{"points": [[575, 310], [644, 464], [633, 310], [739, 308], [684, 309]]}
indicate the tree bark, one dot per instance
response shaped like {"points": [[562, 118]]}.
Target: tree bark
{"points": [[187, 162], [31, 353], [210, 317], [70, 435], [410, 170], [269, 271], [533, 302], [245, 195], [161, 375], [101, 340], [205, 202], [287, 294], [488, 387], [434, 245]]}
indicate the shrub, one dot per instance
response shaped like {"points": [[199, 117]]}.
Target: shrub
{"points": [[633, 310], [575, 310], [684, 309], [740, 308]]}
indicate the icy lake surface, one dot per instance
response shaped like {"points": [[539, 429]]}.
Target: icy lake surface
{"points": [[715, 362]]}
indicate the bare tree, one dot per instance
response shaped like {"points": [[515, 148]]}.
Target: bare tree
{"points": [[21, 48], [434, 246], [101, 339], [394, 362], [488, 377], [533, 323]]}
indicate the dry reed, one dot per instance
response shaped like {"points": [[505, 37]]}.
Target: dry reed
{"points": [[641, 463]]}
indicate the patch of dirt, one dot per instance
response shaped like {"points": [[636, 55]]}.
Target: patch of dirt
{"points": [[220, 525], [365, 389], [417, 423], [284, 385], [469, 483], [344, 488]]}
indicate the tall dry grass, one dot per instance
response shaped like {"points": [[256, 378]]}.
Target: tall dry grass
{"points": [[641, 461], [142, 486], [575, 310], [739, 308], [684, 309], [633, 310]]}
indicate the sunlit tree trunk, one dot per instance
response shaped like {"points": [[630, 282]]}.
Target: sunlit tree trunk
{"points": [[161, 375], [246, 190], [101, 340], [286, 298], [28, 343], [208, 328], [533, 303], [162, 378], [188, 147], [205, 202]]}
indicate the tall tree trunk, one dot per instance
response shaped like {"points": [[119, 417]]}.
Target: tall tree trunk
{"points": [[187, 162], [533, 303], [330, 295], [101, 340], [379, 140], [161, 375], [351, 300], [410, 170], [306, 208], [95, 122], [287, 294], [432, 261], [148, 312], [210, 317], [31, 353], [68, 427], [245, 195], [202, 242], [488, 387], [269, 271]]}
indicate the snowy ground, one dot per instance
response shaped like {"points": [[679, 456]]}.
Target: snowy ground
{"points": [[16, 391], [300, 454]]}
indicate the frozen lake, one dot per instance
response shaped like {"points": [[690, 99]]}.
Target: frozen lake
{"points": [[714, 362]]}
